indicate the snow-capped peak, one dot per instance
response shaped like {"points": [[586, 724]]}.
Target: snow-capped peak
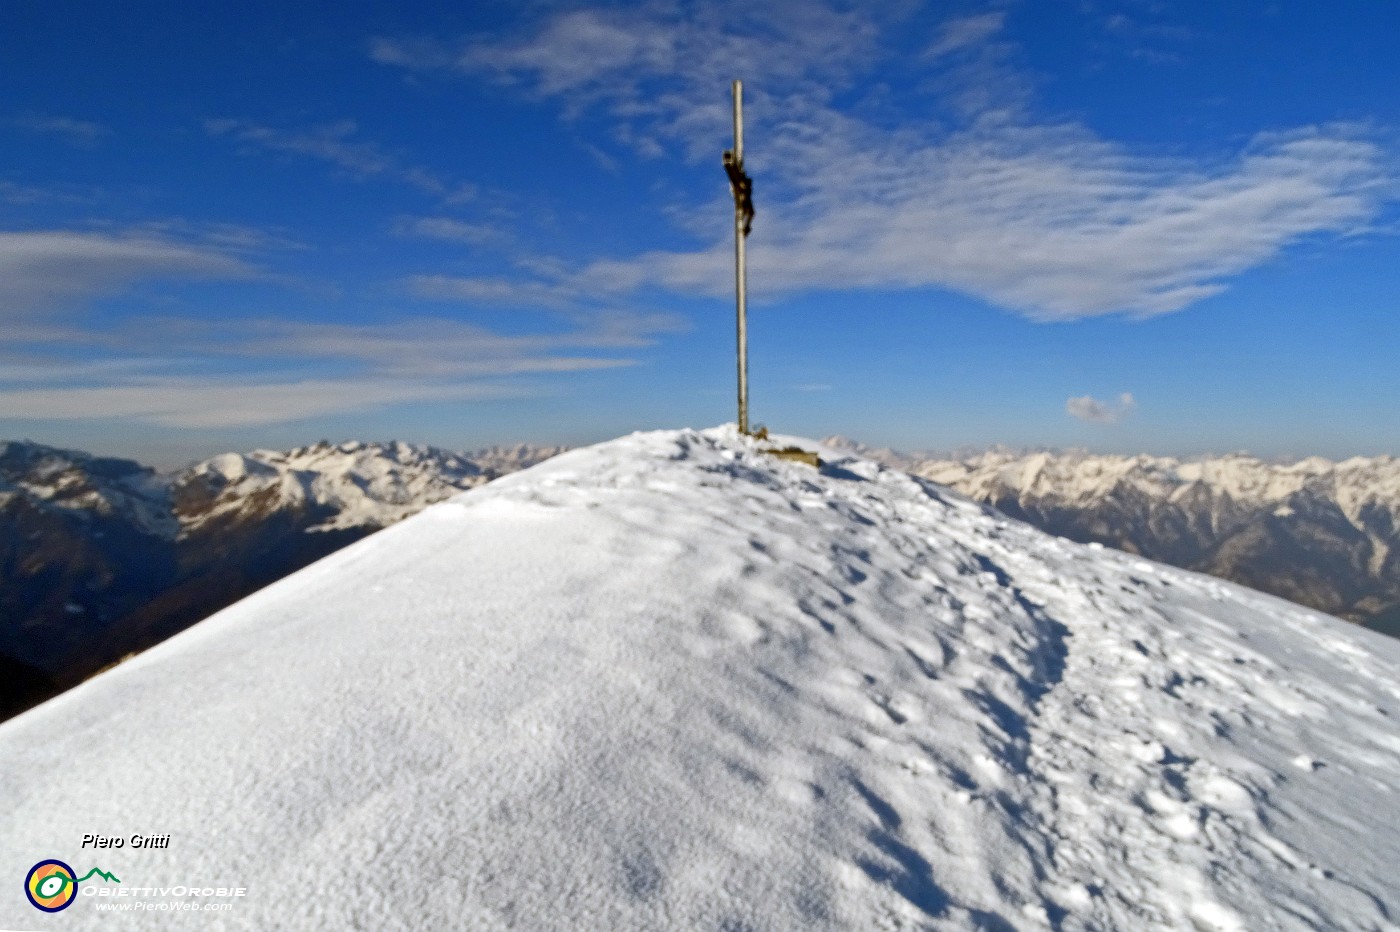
{"points": [[353, 484], [1078, 476]]}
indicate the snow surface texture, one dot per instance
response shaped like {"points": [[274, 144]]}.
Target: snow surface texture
{"points": [[668, 682]]}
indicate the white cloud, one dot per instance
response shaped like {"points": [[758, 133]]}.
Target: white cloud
{"points": [[409, 53], [499, 291], [241, 373], [12, 193], [205, 403], [237, 239], [443, 347], [966, 31], [42, 270], [1046, 221], [235, 370], [1044, 218], [445, 228], [1087, 408], [79, 132], [657, 68], [576, 49], [334, 143]]}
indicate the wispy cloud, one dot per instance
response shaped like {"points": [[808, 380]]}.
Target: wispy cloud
{"points": [[211, 403], [493, 291], [658, 70], [417, 54], [1042, 217], [336, 144], [1046, 221], [446, 228], [576, 49], [966, 31], [226, 370], [1087, 408], [249, 372], [78, 132], [20, 194], [1144, 31], [444, 347], [226, 238], [41, 271]]}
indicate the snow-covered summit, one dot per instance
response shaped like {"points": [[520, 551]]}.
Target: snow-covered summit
{"points": [[670, 682]]}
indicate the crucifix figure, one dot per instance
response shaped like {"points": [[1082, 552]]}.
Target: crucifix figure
{"points": [[741, 186]]}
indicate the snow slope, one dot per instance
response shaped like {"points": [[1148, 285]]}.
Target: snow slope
{"points": [[667, 682]]}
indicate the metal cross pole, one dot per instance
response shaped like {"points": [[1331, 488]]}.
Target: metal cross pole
{"points": [[742, 187]]}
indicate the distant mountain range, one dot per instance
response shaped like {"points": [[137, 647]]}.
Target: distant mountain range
{"points": [[100, 557]]}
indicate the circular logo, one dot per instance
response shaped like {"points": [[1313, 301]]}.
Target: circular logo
{"points": [[50, 885]]}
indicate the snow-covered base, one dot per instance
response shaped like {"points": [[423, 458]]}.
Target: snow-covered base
{"points": [[668, 682]]}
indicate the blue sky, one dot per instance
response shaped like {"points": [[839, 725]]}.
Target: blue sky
{"points": [[1125, 226]]}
